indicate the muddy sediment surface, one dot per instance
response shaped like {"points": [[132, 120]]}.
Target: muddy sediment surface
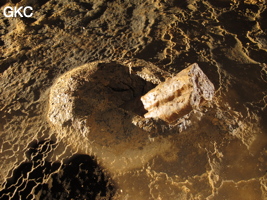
{"points": [[71, 121]]}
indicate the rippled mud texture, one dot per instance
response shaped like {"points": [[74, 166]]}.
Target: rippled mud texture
{"points": [[79, 177], [219, 152]]}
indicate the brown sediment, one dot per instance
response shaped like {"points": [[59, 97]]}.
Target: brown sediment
{"points": [[217, 152]]}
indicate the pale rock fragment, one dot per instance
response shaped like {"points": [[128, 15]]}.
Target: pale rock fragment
{"points": [[179, 95]]}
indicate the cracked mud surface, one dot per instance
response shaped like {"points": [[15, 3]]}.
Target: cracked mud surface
{"points": [[219, 152]]}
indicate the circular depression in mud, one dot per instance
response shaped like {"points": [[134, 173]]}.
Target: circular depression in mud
{"points": [[93, 106], [99, 101]]}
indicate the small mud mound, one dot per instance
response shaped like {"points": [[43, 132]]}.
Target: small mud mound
{"points": [[96, 106]]}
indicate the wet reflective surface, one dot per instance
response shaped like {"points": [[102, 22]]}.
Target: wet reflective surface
{"points": [[218, 152]]}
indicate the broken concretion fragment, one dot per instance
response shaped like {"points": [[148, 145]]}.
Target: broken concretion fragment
{"points": [[179, 95]]}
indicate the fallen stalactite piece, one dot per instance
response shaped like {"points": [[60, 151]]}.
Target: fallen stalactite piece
{"points": [[178, 95]]}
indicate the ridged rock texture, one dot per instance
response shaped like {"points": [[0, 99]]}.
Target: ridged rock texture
{"points": [[72, 123], [179, 95]]}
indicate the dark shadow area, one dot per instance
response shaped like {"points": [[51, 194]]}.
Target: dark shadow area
{"points": [[243, 25], [88, 6], [3, 2], [42, 2], [79, 178], [180, 4], [262, 20], [220, 3], [150, 52], [15, 1], [117, 85], [28, 20]]}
